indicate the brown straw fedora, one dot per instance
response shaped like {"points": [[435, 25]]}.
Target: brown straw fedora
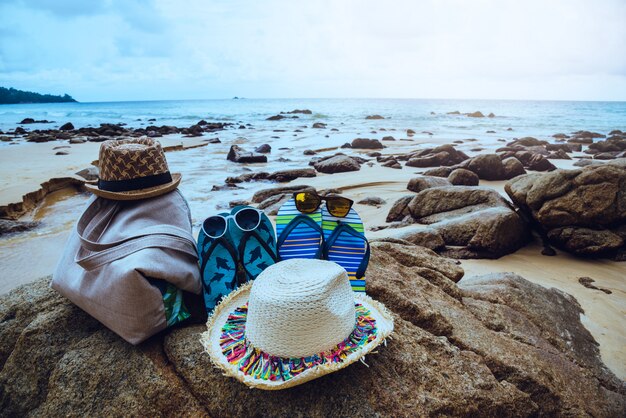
{"points": [[133, 169]]}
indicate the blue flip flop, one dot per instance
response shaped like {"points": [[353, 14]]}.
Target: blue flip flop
{"points": [[346, 245], [218, 266], [299, 235], [256, 249]]}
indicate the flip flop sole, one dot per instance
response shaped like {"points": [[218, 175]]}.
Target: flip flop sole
{"points": [[218, 268], [347, 250], [303, 240]]}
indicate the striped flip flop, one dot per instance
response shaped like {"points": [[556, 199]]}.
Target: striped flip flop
{"points": [[299, 235], [346, 245]]}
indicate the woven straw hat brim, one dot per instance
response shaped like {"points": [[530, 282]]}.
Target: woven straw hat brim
{"points": [[211, 341], [137, 194]]}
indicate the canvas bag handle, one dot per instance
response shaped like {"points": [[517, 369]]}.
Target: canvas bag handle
{"points": [[94, 221]]}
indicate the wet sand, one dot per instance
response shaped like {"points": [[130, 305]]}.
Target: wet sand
{"points": [[31, 255]]}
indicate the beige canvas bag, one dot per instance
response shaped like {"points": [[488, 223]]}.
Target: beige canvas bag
{"points": [[115, 247]]}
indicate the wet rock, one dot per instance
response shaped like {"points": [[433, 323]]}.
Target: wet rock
{"points": [[392, 163], [61, 153], [276, 117], [563, 147], [417, 184], [214, 141], [491, 115], [476, 114], [580, 210], [291, 174], [477, 221], [89, 173], [8, 226], [264, 194], [319, 125], [77, 141], [67, 127], [234, 203], [410, 132], [463, 177], [375, 117], [538, 162], [263, 149], [559, 155], [419, 235], [585, 241], [439, 172], [444, 155], [456, 112], [243, 178], [26, 121], [587, 282], [512, 167], [486, 166], [309, 152], [239, 155], [528, 141], [337, 164], [366, 143], [388, 138], [372, 201], [300, 111], [400, 209]]}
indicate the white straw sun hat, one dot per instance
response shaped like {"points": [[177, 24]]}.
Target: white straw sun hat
{"points": [[297, 321]]}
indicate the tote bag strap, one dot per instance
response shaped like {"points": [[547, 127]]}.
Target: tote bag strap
{"points": [[169, 242]]}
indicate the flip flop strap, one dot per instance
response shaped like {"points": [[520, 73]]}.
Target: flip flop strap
{"points": [[209, 252], [293, 224], [242, 247], [360, 272]]}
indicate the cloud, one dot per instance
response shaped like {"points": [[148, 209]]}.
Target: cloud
{"points": [[200, 49]]}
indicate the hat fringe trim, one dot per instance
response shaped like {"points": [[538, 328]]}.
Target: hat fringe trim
{"points": [[253, 362], [232, 371]]}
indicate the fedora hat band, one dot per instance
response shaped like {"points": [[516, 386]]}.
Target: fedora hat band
{"points": [[135, 183]]}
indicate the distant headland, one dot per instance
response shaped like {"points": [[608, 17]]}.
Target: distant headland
{"points": [[14, 96]]}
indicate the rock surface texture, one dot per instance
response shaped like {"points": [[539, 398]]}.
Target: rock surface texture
{"points": [[481, 346], [472, 221], [581, 211]]}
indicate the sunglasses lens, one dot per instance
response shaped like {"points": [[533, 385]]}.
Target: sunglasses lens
{"points": [[248, 219], [338, 206], [214, 226], [307, 202]]}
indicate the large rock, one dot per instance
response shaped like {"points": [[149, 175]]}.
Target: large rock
{"points": [[417, 184], [239, 155], [337, 164], [580, 210], [486, 167], [8, 226], [444, 155], [475, 222], [488, 346], [463, 177], [366, 143]]}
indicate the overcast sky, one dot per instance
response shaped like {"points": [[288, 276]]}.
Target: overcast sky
{"points": [[165, 49]]}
